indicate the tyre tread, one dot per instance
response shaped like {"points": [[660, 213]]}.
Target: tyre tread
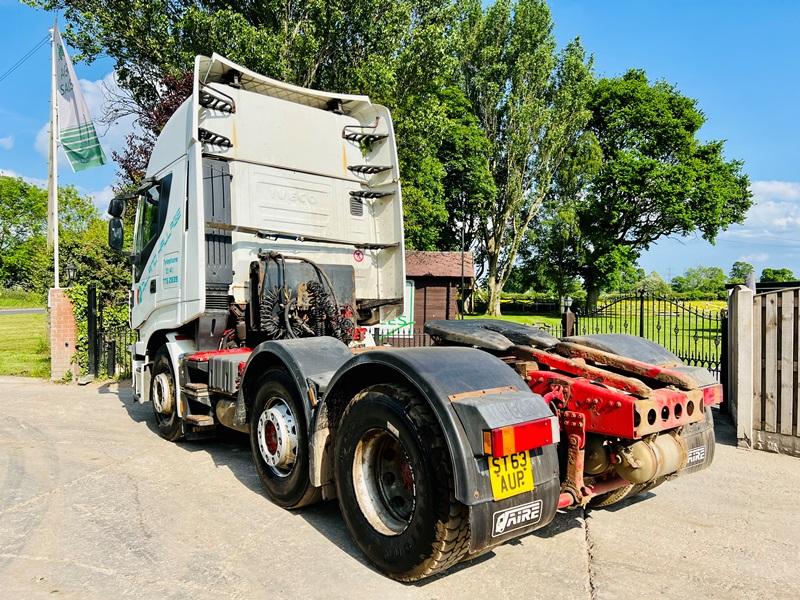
{"points": [[453, 539]]}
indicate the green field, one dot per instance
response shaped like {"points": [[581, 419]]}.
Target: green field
{"points": [[24, 348], [547, 320], [20, 299]]}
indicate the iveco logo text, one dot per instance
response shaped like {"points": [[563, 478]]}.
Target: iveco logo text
{"points": [[516, 517], [696, 454]]}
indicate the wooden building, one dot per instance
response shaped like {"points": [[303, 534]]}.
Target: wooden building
{"points": [[437, 280]]}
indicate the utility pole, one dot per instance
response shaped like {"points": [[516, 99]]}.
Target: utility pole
{"points": [[52, 180]]}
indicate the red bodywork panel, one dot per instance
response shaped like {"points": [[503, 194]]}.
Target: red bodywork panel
{"points": [[206, 354]]}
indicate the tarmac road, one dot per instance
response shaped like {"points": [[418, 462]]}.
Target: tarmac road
{"points": [[93, 504]]}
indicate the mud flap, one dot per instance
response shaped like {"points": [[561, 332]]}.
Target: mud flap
{"points": [[495, 522], [700, 443]]}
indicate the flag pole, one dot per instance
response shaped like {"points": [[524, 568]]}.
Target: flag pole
{"points": [[52, 215]]}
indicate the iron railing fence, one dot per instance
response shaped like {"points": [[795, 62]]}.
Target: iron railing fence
{"points": [[113, 356], [695, 335], [401, 339]]}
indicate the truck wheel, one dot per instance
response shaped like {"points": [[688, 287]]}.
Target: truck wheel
{"points": [[165, 398], [394, 479], [279, 442]]}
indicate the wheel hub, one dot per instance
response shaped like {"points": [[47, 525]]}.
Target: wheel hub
{"points": [[277, 436], [162, 394], [383, 479]]}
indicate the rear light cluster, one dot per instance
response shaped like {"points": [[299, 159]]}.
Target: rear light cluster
{"points": [[519, 438]]}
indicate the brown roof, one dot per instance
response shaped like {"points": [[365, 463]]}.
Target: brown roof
{"points": [[438, 264]]}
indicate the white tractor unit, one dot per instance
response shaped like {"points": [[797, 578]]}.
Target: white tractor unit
{"points": [[268, 234]]}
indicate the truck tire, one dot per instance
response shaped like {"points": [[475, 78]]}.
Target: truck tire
{"points": [[394, 480], [279, 441], [163, 392]]}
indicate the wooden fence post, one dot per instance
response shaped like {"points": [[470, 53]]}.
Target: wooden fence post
{"points": [[740, 357]]}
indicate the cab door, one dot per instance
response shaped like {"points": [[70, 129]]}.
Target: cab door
{"points": [[151, 218]]}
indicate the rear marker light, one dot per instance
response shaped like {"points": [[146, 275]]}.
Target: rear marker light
{"points": [[519, 438]]}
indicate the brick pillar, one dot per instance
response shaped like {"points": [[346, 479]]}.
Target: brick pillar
{"points": [[63, 334]]}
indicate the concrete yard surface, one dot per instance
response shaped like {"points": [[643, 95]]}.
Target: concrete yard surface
{"points": [[93, 504]]}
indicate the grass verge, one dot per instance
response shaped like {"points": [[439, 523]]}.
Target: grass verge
{"points": [[24, 347], [548, 320]]}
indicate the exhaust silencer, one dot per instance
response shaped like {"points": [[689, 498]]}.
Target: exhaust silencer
{"points": [[646, 460]]}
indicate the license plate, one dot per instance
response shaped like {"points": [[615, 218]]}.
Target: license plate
{"points": [[510, 475]]}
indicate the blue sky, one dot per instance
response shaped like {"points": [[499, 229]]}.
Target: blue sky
{"points": [[739, 59]]}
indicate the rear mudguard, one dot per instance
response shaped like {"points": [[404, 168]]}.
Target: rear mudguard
{"points": [[467, 390], [310, 362]]}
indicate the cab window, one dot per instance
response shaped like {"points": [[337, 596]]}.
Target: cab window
{"points": [[151, 214]]}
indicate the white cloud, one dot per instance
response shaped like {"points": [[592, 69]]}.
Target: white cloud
{"points": [[755, 257], [97, 95], [7, 143], [42, 142], [774, 218], [786, 190], [100, 198], [31, 180]]}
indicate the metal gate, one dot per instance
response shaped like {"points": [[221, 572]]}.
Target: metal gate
{"points": [[696, 336], [107, 344]]}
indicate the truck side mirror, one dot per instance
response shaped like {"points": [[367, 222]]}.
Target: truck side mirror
{"points": [[115, 233], [116, 206]]}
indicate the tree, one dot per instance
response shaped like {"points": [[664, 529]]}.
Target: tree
{"points": [[706, 280], [655, 179], [23, 212], [556, 244], [654, 285], [139, 145], [26, 261], [628, 278], [777, 275], [740, 271], [469, 188], [530, 104]]}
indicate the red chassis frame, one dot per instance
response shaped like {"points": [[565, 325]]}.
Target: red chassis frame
{"points": [[591, 391]]}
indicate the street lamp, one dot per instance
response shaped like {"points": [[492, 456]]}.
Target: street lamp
{"points": [[71, 271]]}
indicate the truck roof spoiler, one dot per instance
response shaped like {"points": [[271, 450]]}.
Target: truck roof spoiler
{"points": [[217, 69]]}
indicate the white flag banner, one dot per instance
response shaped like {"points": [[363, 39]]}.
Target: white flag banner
{"points": [[76, 130]]}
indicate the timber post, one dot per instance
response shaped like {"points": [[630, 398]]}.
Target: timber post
{"points": [[740, 357]]}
